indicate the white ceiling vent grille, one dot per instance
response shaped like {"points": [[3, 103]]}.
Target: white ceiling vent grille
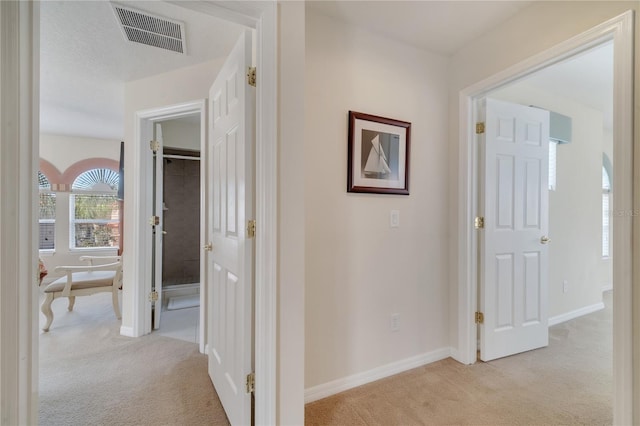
{"points": [[141, 27]]}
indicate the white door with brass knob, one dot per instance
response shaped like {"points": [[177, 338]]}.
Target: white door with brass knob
{"points": [[231, 121], [514, 262]]}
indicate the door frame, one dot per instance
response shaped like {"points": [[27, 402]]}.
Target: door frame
{"points": [[143, 196], [620, 31]]}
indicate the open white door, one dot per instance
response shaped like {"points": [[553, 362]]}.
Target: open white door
{"points": [[158, 231], [514, 201], [231, 109]]}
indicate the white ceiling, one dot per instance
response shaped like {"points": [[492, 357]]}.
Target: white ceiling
{"points": [[437, 26], [85, 60]]}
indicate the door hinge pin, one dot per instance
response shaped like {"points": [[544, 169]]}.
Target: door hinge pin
{"points": [[479, 318], [153, 296], [251, 76], [479, 128], [478, 222], [251, 228], [251, 382]]}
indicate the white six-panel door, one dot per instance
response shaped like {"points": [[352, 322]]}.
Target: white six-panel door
{"points": [[231, 109], [514, 259]]}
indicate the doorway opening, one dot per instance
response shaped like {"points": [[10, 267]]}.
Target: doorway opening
{"points": [[618, 31], [565, 207], [177, 195]]}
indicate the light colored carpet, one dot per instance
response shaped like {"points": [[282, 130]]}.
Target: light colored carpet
{"points": [[567, 383], [91, 375]]}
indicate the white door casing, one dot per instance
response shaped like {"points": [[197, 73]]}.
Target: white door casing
{"points": [[158, 230], [231, 134], [514, 256]]}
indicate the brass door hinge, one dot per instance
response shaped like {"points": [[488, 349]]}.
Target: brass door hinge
{"points": [[154, 146], [251, 76], [154, 220], [478, 222], [479, 318], [479, 128], [153, 296], [251, 382], [251, 229]]}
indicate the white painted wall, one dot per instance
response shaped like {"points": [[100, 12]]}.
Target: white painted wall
{"points": [[575, 207], [171, 88], [359, 271], [62, 151], [181, 134], [531, 31]]}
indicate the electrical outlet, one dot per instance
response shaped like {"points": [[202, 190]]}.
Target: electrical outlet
{"points": [[565, 286], [395, 322]]}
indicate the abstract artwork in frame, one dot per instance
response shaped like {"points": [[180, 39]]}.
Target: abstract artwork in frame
{"points": [[378, 154]]}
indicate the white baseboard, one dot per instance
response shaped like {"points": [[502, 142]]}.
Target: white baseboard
{"points": [[127, 331], [336, 386], [575, 314]]}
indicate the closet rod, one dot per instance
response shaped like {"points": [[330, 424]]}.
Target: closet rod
{"points": [[181, 157]]}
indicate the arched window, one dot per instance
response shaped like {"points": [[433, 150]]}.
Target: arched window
{"points": [[606, 211], [47, 215], [94, 209]]}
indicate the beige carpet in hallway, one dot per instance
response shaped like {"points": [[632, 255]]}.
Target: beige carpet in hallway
{"points": [[569, 382], [91, 375]]}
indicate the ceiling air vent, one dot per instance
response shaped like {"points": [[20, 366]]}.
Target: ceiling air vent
{"points": [[141, 27]]}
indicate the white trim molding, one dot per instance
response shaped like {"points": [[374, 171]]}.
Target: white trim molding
{"points": [[138, 260], [340, 385], [568, 316], [19, 146], [626, 222]]}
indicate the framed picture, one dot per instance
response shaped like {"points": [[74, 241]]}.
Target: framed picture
{"points": [[378, 154]]}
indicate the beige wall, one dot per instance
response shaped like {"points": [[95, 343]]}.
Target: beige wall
{"points": [[575, 207], [291, 214], [533, 30], [62, 150], [359, 271], [181, 134]]}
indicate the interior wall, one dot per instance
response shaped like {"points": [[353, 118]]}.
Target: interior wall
{"points": [[291, 211], [181, 134], [171, 88], [575, 206], [531, 31], [359, 271], [63, 150]]}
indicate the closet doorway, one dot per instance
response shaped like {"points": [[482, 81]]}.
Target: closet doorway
{"points": [[176, 268]]}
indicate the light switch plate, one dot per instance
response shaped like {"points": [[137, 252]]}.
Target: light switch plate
{"points": [[394, 219]]}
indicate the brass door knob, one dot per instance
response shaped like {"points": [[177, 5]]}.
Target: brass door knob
{"points": [[545, 240]]}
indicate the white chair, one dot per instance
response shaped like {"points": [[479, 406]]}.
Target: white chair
{"points": [[84, 281]]}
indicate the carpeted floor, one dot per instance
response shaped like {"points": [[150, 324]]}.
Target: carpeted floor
{"points": [[567, 383], [91, 375]]}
